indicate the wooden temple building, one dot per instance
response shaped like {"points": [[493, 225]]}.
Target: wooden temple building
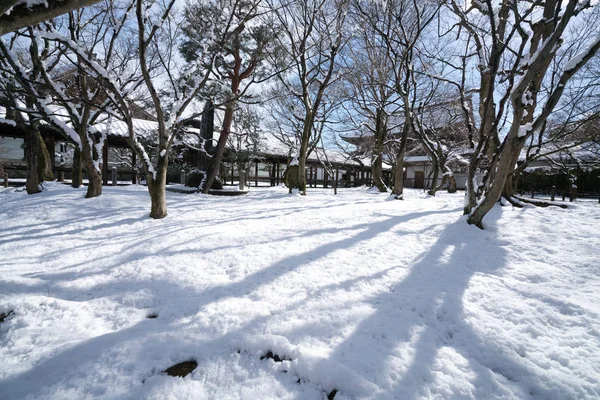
{"points": [[267, 164]]}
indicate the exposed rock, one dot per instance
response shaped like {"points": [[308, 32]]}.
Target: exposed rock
{"points": [[194, 179], [275, 357], [290, 177], [182, 369], [3, 316]]}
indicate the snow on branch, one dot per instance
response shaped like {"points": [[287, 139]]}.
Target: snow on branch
{"points": [[579, 58], [42, 104]]}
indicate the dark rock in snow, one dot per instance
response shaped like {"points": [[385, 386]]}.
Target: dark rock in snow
{"points": [[274, 357], [3, 316], [182, 369], [194, 179], [332, 394]]}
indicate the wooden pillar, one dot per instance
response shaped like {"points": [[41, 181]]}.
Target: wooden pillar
{"points": [[337, 176], [553, 193], [255, 173], [277, 176], [325, 176], [105, 164], [133, 169], [232, 172]]}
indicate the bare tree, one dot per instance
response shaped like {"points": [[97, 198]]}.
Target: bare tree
{"points": [[514, 44], [287, 122], [574, 122], [312, 36], [156, 37], [371, 92], [400, 24], [440, 126], [59, 51], [27, 105]]}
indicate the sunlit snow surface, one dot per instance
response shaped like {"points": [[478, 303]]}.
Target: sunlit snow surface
{"points": [[377, 299]]}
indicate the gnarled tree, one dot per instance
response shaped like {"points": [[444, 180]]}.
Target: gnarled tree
{"points": [[514, 43]]}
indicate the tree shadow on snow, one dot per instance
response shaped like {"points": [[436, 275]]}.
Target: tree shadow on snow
{"points": [[428, 302], [428, 305]]}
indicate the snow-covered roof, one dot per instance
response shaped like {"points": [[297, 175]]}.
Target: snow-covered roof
{"points": [[111, 125], [416, 159], [115, 127]]}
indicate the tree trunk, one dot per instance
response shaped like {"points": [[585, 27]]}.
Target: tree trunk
{"points": [[76, 173], [451, 184], [31, 156], [398, 191], [502, 167], [377, 171], [433, 189], [471, 187], [157, 189], [213, 169], [307, 128], [516, 180], [303, 154], [301, 174], [377, 161], [44, 161], [94, 188], [509, 187], [442, 183]]}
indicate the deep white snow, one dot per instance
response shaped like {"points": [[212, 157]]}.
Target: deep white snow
{"points": [[374, 298]]}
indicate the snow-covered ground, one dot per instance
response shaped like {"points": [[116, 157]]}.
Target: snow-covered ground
{"points": [[376, 299]]}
